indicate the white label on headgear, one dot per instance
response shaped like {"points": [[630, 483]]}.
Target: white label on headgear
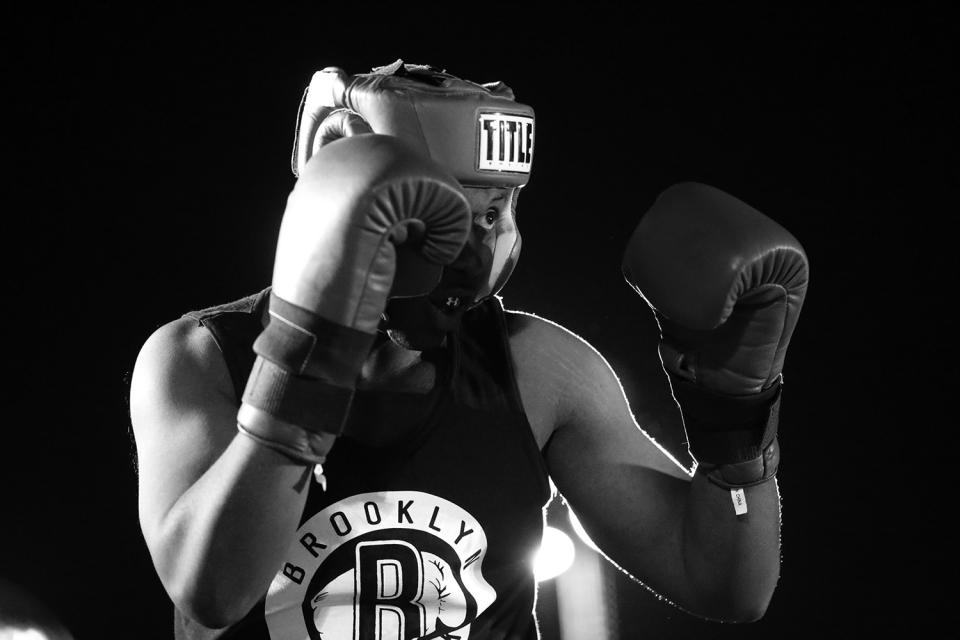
{"points": [[506, 143]]}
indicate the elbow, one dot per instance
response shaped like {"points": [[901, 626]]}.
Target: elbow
{"points": [[208, 615], [198, 589], [741, 610], [744, 614], [197, 594], [738, 597], [731, 603], [205, 606]]}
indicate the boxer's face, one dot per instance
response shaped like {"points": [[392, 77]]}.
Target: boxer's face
{"points": [[420, 323], [489, 205], [493, 232], [493, 246]]}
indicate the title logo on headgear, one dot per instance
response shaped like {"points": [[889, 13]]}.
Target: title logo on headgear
{"points": [[505, 143]]}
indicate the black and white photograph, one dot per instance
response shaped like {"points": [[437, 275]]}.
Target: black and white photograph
{"points": [[478, 321]]}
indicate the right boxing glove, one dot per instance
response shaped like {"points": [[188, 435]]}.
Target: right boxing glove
{"points": [[726, 284], [356, 200]]}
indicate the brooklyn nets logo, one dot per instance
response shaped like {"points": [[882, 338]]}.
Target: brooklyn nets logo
{"points": [[395, 565]]}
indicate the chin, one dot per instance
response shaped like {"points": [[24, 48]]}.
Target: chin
{"points": [[416, 324]]}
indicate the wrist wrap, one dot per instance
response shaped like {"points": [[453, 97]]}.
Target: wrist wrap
{"points": [[305, 373], [295, 443], [733, 438]]}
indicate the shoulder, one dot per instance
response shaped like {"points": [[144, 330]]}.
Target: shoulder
{"points": [[193, 341], [558, 372], [183, 413], [576, 403], [528, 329], [177, 358], [535, 340], [182, 343], [182, 409]]}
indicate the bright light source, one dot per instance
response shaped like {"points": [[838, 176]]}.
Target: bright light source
{"points": [[578, 529], [554, 556], [13, 633]]}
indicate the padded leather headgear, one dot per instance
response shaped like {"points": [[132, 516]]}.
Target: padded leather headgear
{"points": [[478, 132]]}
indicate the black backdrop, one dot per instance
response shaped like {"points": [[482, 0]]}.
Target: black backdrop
{"points": [[148, 168]]}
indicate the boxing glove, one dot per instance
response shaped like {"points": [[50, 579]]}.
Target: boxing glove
{"points": [[356, 201], [726, 284]]}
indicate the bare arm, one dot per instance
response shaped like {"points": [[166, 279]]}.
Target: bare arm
{"points": [[677, 535], [217, 510]]}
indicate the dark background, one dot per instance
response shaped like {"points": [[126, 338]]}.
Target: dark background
{"points": [[147, 169]]}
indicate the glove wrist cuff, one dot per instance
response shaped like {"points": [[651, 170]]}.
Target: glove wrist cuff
{"points": [[749, 473], [309, 404], [303, 377], [290, 440], [308, 345], [728, 430]]}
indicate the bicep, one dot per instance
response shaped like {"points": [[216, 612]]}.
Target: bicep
{"points": [[626, 490], [183, 412]]}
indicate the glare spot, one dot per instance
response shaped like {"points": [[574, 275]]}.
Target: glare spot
{"points": [[554, 556], [11, 633]]}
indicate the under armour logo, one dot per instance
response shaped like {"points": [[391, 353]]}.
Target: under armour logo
{"points": [[452, 302]]}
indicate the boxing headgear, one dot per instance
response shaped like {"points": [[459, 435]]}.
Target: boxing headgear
{"points": [[478, 132]]}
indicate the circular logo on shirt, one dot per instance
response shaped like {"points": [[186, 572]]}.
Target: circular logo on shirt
{"points": [[392, 565]]}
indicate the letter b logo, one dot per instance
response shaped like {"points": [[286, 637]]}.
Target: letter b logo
{"points": [[388, 589]]}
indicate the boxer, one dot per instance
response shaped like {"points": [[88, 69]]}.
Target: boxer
{"points": [[363, 449]]}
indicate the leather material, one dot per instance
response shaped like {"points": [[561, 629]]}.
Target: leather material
{"points": [[727, 284], [478, 132], [359, 198], [340, 123], [454, 121]]}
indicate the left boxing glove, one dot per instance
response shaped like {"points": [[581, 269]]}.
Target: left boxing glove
{"points": [[357, 200], [727, 284]]}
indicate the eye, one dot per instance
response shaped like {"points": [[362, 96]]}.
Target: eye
{"points": [[488, 219]]}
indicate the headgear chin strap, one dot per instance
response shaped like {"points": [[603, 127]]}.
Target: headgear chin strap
{"points": [[478, 132]]}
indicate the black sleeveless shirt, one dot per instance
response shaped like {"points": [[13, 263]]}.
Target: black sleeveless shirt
{"points": [[432, 537]]}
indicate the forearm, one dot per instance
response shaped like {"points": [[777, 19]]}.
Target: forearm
{"points": [[681, 536], [731, 561], [221, 543]]}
